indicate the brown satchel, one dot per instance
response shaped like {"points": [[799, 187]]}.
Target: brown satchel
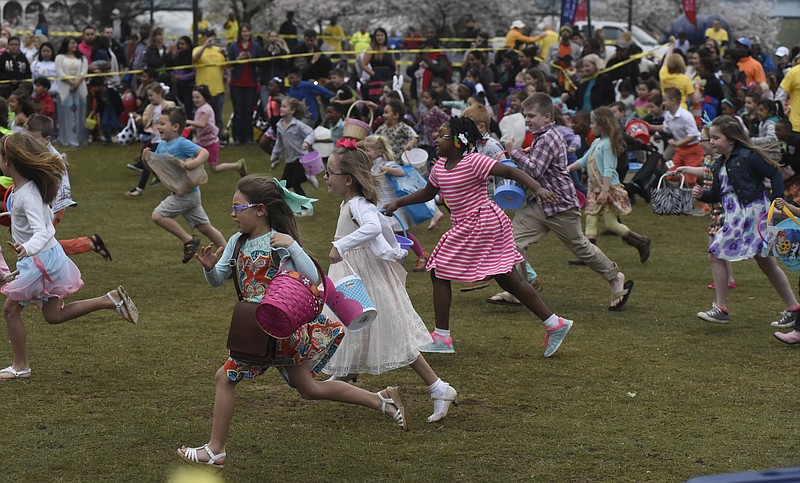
{"points": [[246, 340]]}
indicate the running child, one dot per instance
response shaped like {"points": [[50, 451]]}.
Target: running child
{"points": [[150, 121], [266, 230], [46, 274], [204, 125], [738, 184], [680, 123], [293, 140], [365, 242], [480, 244], [383, 162], [170, 126]]}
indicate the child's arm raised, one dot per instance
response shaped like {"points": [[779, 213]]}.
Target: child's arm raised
{"points": [[425, 194], [507, 172], [199, 158]]}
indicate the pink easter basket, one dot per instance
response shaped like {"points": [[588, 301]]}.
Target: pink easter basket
{"points": [[291, 301]]}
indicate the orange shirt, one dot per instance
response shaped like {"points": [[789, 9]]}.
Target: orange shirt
{"points": [[752, 69]]}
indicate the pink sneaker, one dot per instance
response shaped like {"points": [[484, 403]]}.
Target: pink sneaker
{"points": [[730, 285], [790, 338]]}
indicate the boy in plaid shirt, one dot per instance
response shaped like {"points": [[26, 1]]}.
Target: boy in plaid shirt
{"points": [[546, 162]]}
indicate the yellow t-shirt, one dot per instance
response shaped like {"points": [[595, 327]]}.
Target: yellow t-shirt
{"points": [[360, 42], [210, 75], [681, 81], [201, 25], [791, 84], [333, 37], [721, 37], [232, 31], [549, 38]]}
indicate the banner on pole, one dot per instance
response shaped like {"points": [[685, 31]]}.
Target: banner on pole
{"points": [[689, 9], [568, 9]]}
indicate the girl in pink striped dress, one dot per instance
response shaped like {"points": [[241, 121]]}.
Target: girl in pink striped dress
{"points": [[480, 244]]}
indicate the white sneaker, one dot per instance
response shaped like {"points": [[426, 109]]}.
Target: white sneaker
{"points": [[314, 181], [305, 212]]}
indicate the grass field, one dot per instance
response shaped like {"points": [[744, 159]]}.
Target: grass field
{"points": [[648, 394]]}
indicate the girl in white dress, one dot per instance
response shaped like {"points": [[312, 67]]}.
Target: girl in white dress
{"points": [[365, 240]]}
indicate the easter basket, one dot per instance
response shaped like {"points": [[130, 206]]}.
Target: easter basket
{"points": [[355, 128], [781, 240], [671, 201]]}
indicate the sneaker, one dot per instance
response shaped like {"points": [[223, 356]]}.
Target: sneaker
{"points": [[305, 212], [190, 248], [715, 315], [439, 344], [242, 167], [556, 335], [788, 319], [136, 166], [313, 180]]}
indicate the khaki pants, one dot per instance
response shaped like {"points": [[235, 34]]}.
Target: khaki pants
{"points": [[531, 225]]}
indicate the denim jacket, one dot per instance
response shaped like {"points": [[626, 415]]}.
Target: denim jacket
{"points": [[746, 172]]}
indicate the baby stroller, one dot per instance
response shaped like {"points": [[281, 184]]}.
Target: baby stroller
{"points": [[637, 137]]}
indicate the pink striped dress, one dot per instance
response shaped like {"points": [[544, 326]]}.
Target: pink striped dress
{"points": [[481, 242]]}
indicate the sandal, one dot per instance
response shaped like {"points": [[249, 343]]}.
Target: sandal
{"points": [[504, 298], [400, 416], [420, 266], [477, 285], [242, 167], [135, 192], [125, 306], [100, 247], [190, 248], [623, 294], [190, 456], [10, 373]]}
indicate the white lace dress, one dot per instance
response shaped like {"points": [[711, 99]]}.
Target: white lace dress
{"points": [[365, 239]]}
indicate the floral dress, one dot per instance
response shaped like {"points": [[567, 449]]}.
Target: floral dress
{"points": [[617, 196], [717, 214], [737, 238]]}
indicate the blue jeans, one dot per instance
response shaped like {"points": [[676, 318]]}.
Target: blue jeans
{"points": [[244, 99], [109, 120]]}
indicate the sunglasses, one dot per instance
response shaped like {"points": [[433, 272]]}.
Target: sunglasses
{"points": [[241, 208]]}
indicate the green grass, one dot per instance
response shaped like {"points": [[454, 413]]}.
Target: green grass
{"points": [[112, 402]]}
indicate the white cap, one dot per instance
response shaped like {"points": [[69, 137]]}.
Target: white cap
{"points": [[781, 52], [517, 24], [115, 12]]}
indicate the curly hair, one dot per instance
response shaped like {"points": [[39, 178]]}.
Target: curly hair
{"points": [[464, 126]]}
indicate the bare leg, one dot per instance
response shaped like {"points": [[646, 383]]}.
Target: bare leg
{"points": [[213, 234], [172, 226], [54, 313], [424, 370], [224, 404], [513, 284], [338, 391], [220, 167], [720, 274], [729, 266], [442, 298], [778, 278], [17, 335]]}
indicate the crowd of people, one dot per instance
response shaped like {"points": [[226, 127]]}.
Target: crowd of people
{"points": [[547, 111]]}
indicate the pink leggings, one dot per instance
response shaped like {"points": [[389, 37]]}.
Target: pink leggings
{"points": [[416, 247]]}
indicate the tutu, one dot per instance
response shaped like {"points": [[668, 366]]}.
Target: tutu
{"points": [[46, 275]]}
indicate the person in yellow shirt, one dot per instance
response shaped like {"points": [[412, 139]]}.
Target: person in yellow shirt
{"points": [[208, 72], [231, 27], [360, 41], [790, 91], [673, 74], [719, 35], [516, 39], [549, 38], [201, 23], [333, 35]]}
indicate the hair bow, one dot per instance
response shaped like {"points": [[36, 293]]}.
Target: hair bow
{"points": [[296, 202], [165, 87], [346, 143]]}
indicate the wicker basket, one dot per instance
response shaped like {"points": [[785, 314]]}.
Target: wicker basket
{"points": [[291, 301], [354, 128]]}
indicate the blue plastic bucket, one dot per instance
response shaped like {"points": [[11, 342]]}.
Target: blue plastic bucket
{"points": [[508, 194]]}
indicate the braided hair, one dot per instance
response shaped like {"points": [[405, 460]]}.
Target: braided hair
{"points": [[466, 128]]}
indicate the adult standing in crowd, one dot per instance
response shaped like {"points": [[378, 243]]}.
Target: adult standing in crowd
{"points": [[14, 67], [749, 68], [156, 55], [86, 47], [139, 50], [121, 31], [789, 94], [334, 36], [116, 47], [596, 91], [243, 84], [315, 66], [288, 30], [70, 62], [515, 39], [41, 26], [45, 65], [204, 57], [360, 41], [718, 35], [180, 54], [273, 68], [379, 64]]}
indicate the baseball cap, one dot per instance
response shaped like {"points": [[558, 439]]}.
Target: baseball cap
{"points": [[517, 24], [744, 41], [782, 52], [115, 12]]}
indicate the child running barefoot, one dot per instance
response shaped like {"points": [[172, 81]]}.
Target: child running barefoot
{"points": [[481, 242], [365, 241], [46, 274], [606, 195], [170, 125], [293, 140], [204, 125], [383, 165], [264, 218], [738, 184]]}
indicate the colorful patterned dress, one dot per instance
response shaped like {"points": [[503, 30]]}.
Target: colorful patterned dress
{"points": [[738, 238], [314, 342], [481, 241], [717, 213]]}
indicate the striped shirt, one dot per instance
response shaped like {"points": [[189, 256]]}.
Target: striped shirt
{"points": [[547, 164]]}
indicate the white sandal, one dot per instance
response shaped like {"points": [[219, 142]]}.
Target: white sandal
{"points": [[400, 416], [450, 397], [190, 456], [23, 374], [125, 306]]}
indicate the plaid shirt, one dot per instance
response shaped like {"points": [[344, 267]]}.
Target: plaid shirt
{"points": [[547, 164], [491, 147]]}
